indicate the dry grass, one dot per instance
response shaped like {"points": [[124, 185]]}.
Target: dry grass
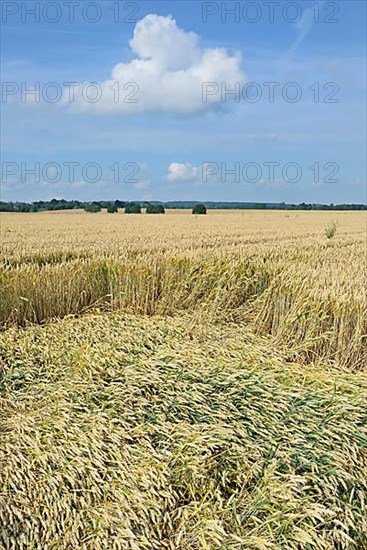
{"points": [[153, 432]]}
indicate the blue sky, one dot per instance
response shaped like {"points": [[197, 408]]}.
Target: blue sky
{"points": [[173, 143]]}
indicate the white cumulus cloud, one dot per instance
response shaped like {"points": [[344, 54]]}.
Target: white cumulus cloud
{"points": [[167, 75], [179, 171]]}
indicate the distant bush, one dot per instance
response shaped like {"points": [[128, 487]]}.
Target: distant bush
{"points": [[92, 208], [133, 208], [330, 230], [199, 209], [112, 209], [155, 209]]}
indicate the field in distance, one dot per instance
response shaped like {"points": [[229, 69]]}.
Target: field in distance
{"points": [[184, 382], [76, 230]]}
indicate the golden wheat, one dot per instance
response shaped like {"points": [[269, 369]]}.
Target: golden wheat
{"points": [[275, 270], [153, 432], [202, 388]]}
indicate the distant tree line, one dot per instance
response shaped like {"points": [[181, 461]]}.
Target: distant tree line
{"points": [[211, 205], [156, 207]]}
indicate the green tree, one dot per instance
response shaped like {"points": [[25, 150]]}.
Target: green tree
{"points": [[199, 209], [92, 207], [112, 209], [133, 208], [120, 204], [155, 209]]}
